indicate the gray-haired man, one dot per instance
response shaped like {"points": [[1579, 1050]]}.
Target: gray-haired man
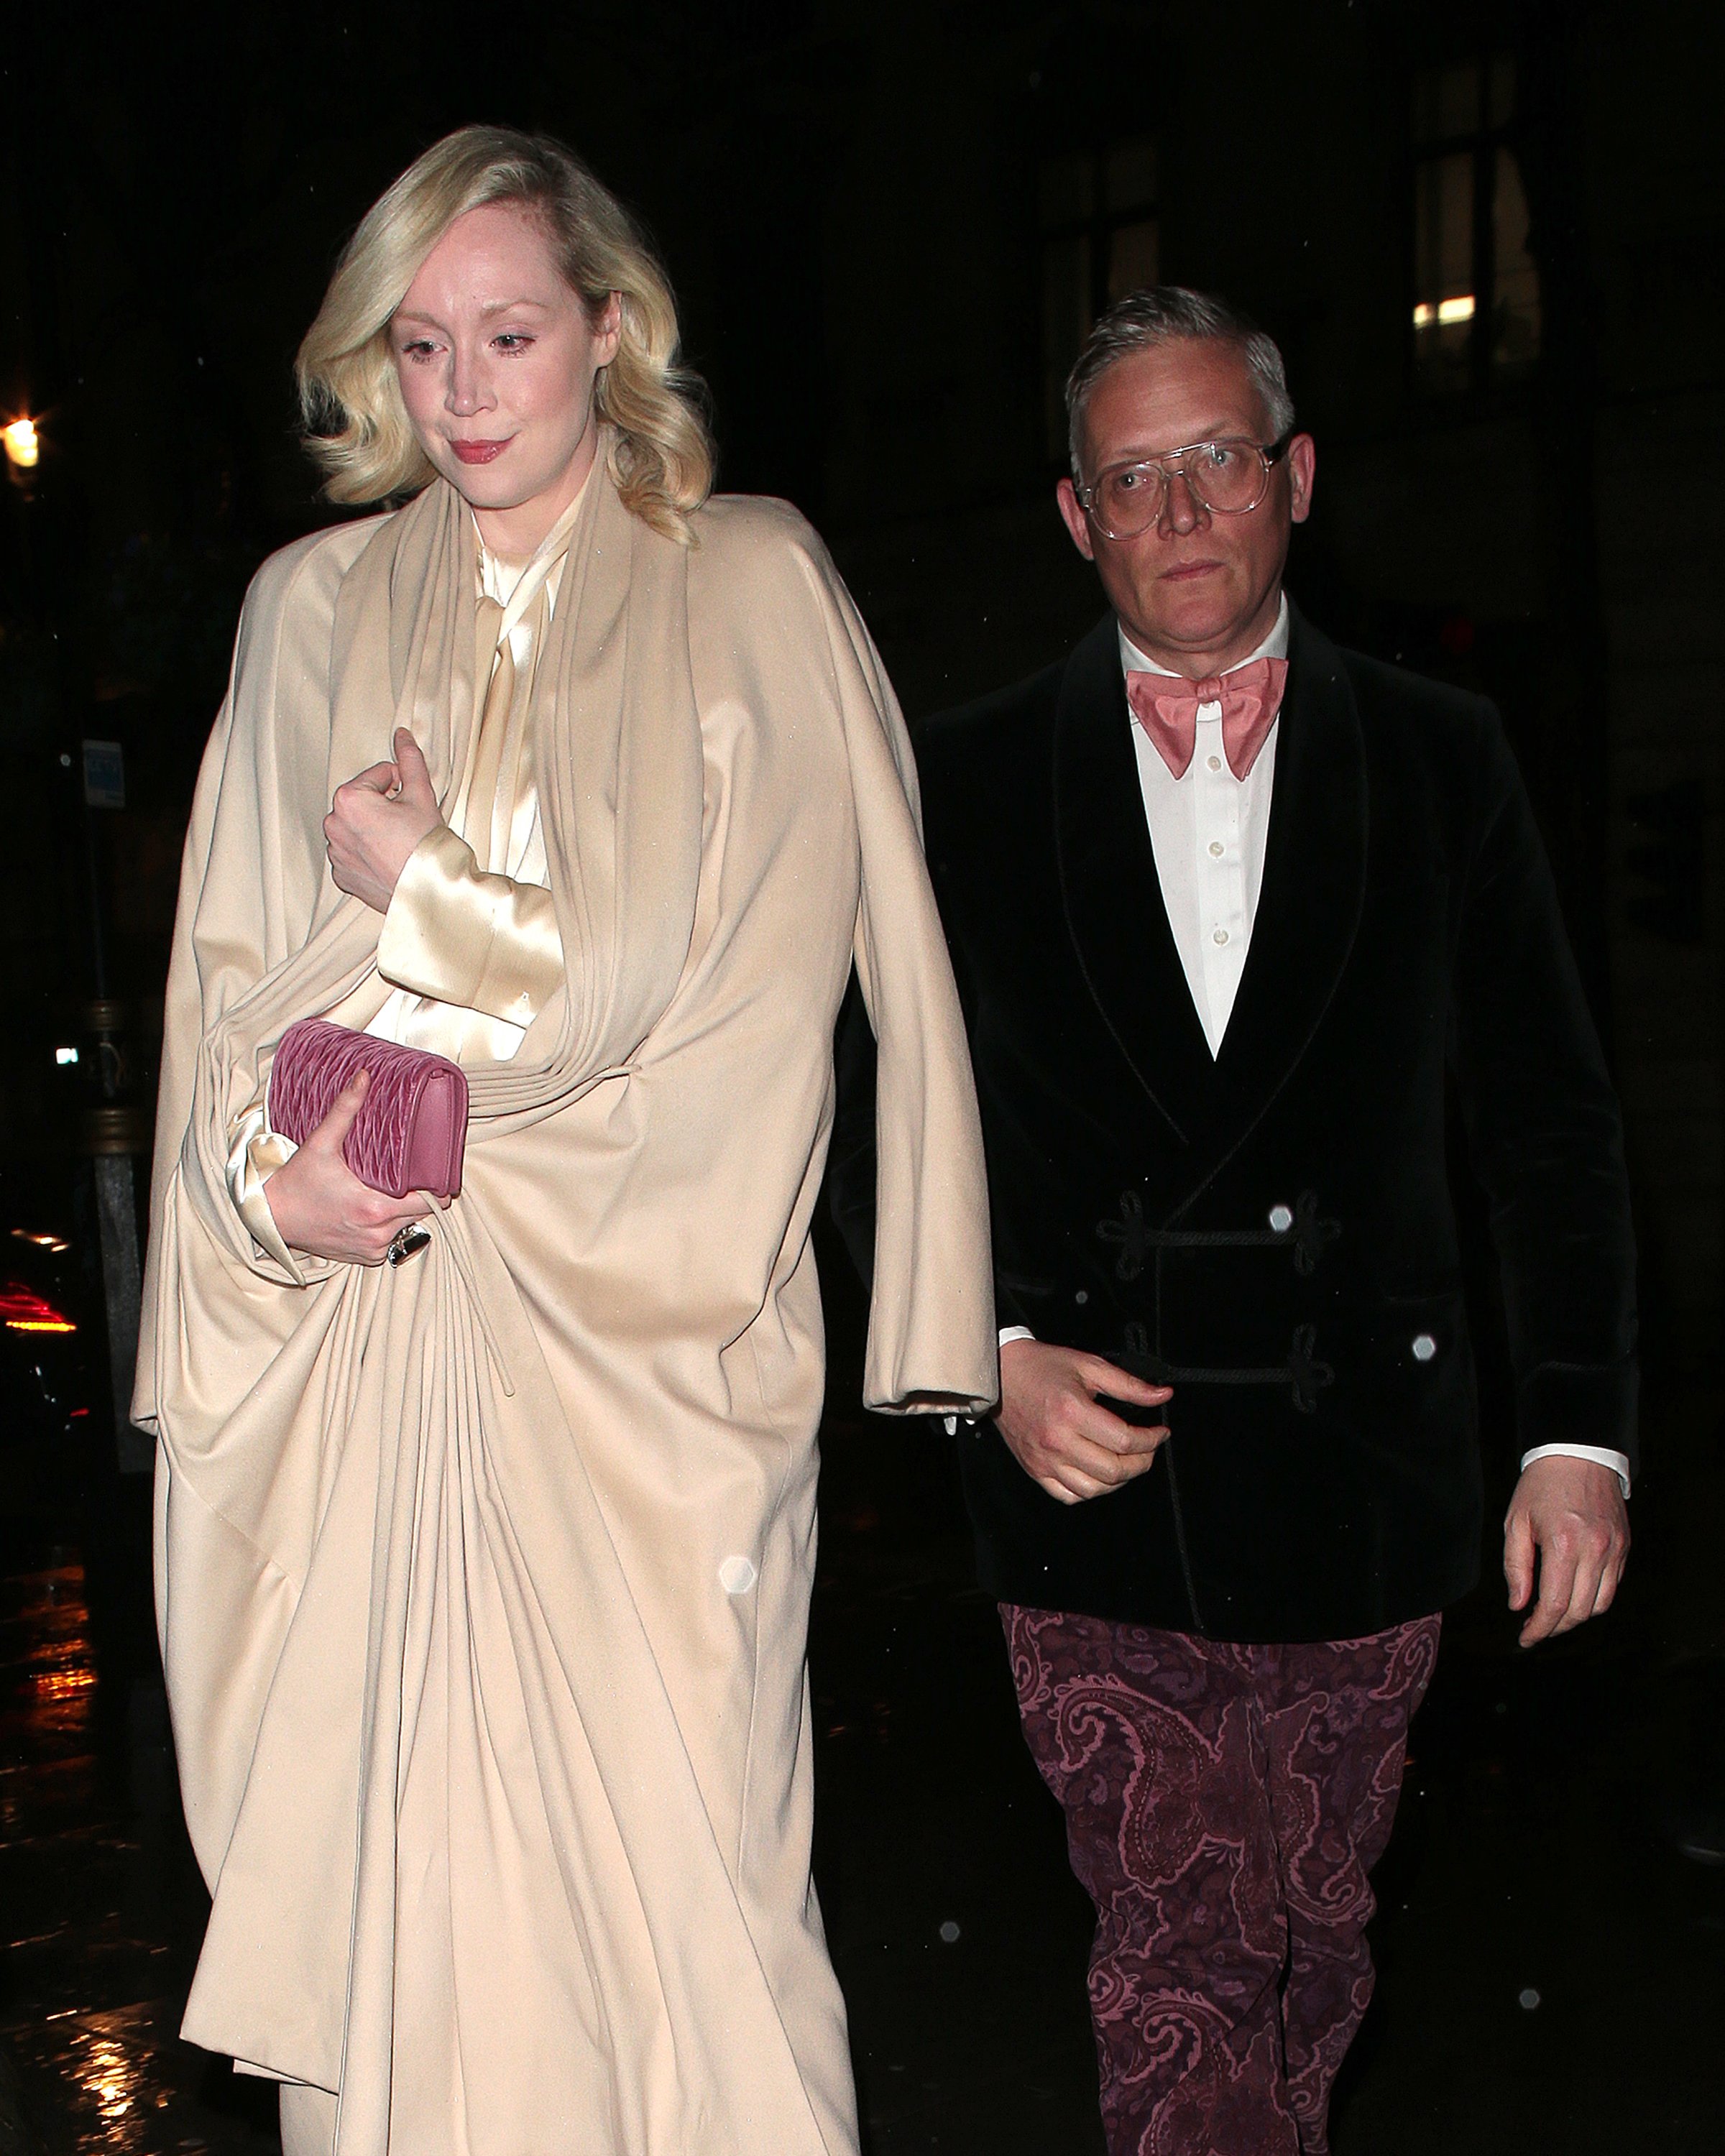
{"points": [[1225, 903]]}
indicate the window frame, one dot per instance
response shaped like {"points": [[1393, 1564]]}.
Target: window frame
{"points": [[1096, 229], [1483, 144]]}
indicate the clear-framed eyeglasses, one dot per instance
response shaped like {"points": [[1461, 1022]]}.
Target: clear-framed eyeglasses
{"points": [[1227, 478]]}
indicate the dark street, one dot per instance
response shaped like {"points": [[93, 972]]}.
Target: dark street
{"points": [[1552, 1971], [1487, 237]]}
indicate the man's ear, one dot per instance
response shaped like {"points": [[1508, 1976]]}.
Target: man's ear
{"points": [[1303, 465], [1073, 518]]}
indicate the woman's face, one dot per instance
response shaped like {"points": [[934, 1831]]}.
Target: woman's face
{"points": [[497, 359]]}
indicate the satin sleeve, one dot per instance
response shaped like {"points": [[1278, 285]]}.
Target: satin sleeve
{"points": [[459, 934], [255, 1153]]}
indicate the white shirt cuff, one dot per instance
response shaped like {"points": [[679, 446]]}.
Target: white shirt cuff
{"points": [[1602, 1456], [1007, 1333]]}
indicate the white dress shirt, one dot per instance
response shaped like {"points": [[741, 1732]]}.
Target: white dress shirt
{"points": [[1207, 831]]}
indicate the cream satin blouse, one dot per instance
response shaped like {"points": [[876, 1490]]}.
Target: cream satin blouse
{"points": [[469, 945]]}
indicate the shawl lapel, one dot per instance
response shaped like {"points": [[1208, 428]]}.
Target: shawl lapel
{"points": [[618, 751], [617, 756], [1114, 912], [1313, 890], [1309, 909], [402, 642]]}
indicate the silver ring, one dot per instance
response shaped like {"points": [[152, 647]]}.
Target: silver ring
{"points": [[406, 1243]]}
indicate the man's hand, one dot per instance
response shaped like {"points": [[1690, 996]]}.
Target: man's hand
{"points": [[376, 821], [1572, 1512], [1058, 1430], [321, 1206]]}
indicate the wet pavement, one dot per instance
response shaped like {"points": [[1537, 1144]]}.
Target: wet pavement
{"points": [[101, 1908], [1552, 1972]]}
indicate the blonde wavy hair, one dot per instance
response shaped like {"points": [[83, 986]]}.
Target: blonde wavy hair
{"points": [[660, 451]]}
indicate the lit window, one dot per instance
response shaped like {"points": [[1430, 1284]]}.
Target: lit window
{"points": [[1475, 284], [1100, 241]]}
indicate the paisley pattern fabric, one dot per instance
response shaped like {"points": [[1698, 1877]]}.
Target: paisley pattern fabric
{"points": [[1224, 1805]]}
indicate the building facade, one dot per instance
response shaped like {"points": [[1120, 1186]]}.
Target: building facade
{"points": [[1490, 239]]}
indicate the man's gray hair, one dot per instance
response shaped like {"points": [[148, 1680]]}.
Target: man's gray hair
{"points": [[1168, 314]]}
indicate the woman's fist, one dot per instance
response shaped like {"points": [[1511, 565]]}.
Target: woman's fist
{"points": [[376, 821]]}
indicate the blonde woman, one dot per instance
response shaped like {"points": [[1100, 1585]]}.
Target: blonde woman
{"points": [[484, 1578]]}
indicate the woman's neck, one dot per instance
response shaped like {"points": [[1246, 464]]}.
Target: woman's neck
{"points": [[513, 534]]}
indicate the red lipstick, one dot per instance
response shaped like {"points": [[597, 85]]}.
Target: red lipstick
{"points": [[480, 452]]}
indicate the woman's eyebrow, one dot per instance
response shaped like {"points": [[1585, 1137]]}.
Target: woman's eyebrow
{"points": [[491, 307]]}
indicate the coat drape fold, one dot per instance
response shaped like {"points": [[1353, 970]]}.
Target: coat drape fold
{"points": [[483, 1583]]}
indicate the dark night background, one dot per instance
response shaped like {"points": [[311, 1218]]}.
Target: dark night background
{"points": [[888, 226]]}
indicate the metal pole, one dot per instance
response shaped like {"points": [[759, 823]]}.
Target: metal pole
{"points": [[114, 1133]]}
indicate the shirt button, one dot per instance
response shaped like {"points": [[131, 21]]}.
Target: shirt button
{"points": [[1220, 936], [1424, 1347], [1213, 764], [1216, 849]]}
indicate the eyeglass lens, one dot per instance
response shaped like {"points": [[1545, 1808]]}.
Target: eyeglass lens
{"points": [[1225, 477]]}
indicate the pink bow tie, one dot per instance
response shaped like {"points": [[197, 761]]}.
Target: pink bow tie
{"points": [[1166, 707]]}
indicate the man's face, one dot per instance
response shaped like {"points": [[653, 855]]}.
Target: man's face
{"points": [[1197, 591]]}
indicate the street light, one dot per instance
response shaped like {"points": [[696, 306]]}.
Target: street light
{"points": [[24, 453], [24, 445]]}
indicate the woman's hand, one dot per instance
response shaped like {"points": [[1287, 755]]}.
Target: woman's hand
{"points": [[377, 821], [321, 1206]]}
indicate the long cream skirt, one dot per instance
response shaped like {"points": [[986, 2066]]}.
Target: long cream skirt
{"points": [[308, 2120]]}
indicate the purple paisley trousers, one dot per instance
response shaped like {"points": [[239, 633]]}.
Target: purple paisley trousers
{"points": [[1224, 1807]]}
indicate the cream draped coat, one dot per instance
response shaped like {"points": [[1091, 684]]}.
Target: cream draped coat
{"points": [[483, 1583]]}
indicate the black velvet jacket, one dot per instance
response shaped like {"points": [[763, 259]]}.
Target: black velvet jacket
{"points": [[1270, 1231]]}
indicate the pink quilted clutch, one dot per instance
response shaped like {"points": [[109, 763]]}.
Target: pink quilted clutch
{"points": [[412, 1131]]}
